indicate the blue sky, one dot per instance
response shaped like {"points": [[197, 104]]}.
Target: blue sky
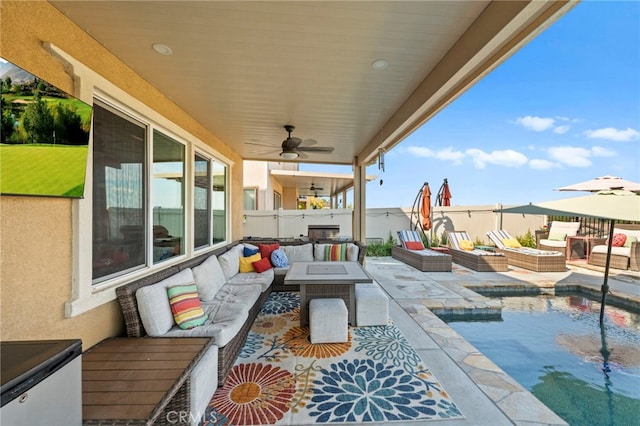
{"points": [[563, 109]]}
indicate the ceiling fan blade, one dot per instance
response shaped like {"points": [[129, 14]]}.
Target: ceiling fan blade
{"points": [[321, 149], [308, 142]]}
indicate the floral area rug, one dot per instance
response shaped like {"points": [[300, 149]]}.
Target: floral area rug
{"points": [[281, 378]]}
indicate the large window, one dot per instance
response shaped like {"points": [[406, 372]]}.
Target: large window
{"points": [[118, 194], [142, 186], [202, 201], [219, 202], [168, 197]]}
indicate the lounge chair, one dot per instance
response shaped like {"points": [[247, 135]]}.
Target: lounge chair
{"points": [[525, 257], [556, 238], [418, 256], [473, 258]]}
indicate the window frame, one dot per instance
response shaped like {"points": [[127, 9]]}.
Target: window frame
{"points": [[255, 197], [86, 294]]}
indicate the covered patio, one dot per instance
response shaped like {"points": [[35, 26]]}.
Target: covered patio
{"points": [[206, 85]]}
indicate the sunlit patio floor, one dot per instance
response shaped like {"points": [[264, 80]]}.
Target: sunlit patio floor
{"points": [[485, 394]]}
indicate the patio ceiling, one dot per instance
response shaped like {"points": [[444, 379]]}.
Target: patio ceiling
{"points": [[327, 184], [245, 69]]}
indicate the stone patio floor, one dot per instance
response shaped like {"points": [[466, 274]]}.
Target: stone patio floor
{"points": [[484, 393]]}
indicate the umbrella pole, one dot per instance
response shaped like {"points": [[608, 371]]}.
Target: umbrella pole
{"points": [[605, 286]]}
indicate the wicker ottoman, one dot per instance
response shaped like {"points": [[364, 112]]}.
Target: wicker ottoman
{"points": [[328, 321], [372, 305]]}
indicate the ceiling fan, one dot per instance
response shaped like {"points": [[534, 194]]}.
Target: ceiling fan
{"points": [[313, 188], [293, 147]]}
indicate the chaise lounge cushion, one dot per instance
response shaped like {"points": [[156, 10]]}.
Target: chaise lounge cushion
{"points": [[209, 278], [153, 303]]}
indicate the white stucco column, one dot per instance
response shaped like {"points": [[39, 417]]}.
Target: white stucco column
{"points": [[359, 202]]}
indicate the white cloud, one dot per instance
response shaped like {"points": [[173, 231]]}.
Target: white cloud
{"points": [[561, 130], [571, 156], [537, 124], [446, 154], [541, 164], [507, 158], [599, 151], [613, 134]]}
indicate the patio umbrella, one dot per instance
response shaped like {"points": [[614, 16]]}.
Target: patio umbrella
{"points": [[611, 205], [444, 195], [603, 183], [425, 207]]}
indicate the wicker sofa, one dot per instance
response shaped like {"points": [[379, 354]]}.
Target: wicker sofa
{"points": [[307, 250], [621, 257], [232, 307]]}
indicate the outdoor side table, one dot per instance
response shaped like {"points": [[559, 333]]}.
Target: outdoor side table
{"points": [[138, 381]]}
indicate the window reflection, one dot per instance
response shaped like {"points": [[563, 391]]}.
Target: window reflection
{"points": [[167, 197], [201, 202], [219, 202]]}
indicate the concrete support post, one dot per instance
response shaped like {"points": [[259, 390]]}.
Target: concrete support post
{"points": [[359, 202]]}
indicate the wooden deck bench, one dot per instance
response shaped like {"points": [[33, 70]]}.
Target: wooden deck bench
{"points": [[146, 381]]}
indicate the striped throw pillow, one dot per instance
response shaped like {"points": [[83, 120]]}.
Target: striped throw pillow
{"points": [[335, 252], [185, 306]]}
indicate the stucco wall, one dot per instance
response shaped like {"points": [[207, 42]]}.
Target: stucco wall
{"points": [[36, 234]]}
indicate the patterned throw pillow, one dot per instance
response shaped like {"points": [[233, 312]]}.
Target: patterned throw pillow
{"points": [[618, 240], [414, 245], [246, 263], [185, 306], [466, 245], [262, 265], [335, 252], [279, 259]]}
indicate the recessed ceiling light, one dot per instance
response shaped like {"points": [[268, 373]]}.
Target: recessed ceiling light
{"points": [[162, 49], [379, 64]]}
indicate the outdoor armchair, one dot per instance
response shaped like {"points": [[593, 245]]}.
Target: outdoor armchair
{"points": [[556, 239]]}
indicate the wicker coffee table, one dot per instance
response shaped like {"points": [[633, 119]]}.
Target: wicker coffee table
{"points": [[318, 280]]}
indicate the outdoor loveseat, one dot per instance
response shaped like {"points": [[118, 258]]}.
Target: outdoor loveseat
{"points": [[626, 256]]}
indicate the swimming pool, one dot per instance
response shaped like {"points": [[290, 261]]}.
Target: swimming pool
{"points": [[555, 347]]}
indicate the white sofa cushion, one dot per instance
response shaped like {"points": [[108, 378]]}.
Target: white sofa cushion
{"points": [[227, 320], [553, 243], [204, 382], [619, 251], [230, 261], [153, 303], [264, 279], [209, 278], [242, 295], [299, 253]]}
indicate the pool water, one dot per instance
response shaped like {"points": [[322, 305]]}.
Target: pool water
{"points": [[554, 346]]}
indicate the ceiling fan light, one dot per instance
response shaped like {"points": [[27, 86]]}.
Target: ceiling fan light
{"points": [[289, 155]]}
